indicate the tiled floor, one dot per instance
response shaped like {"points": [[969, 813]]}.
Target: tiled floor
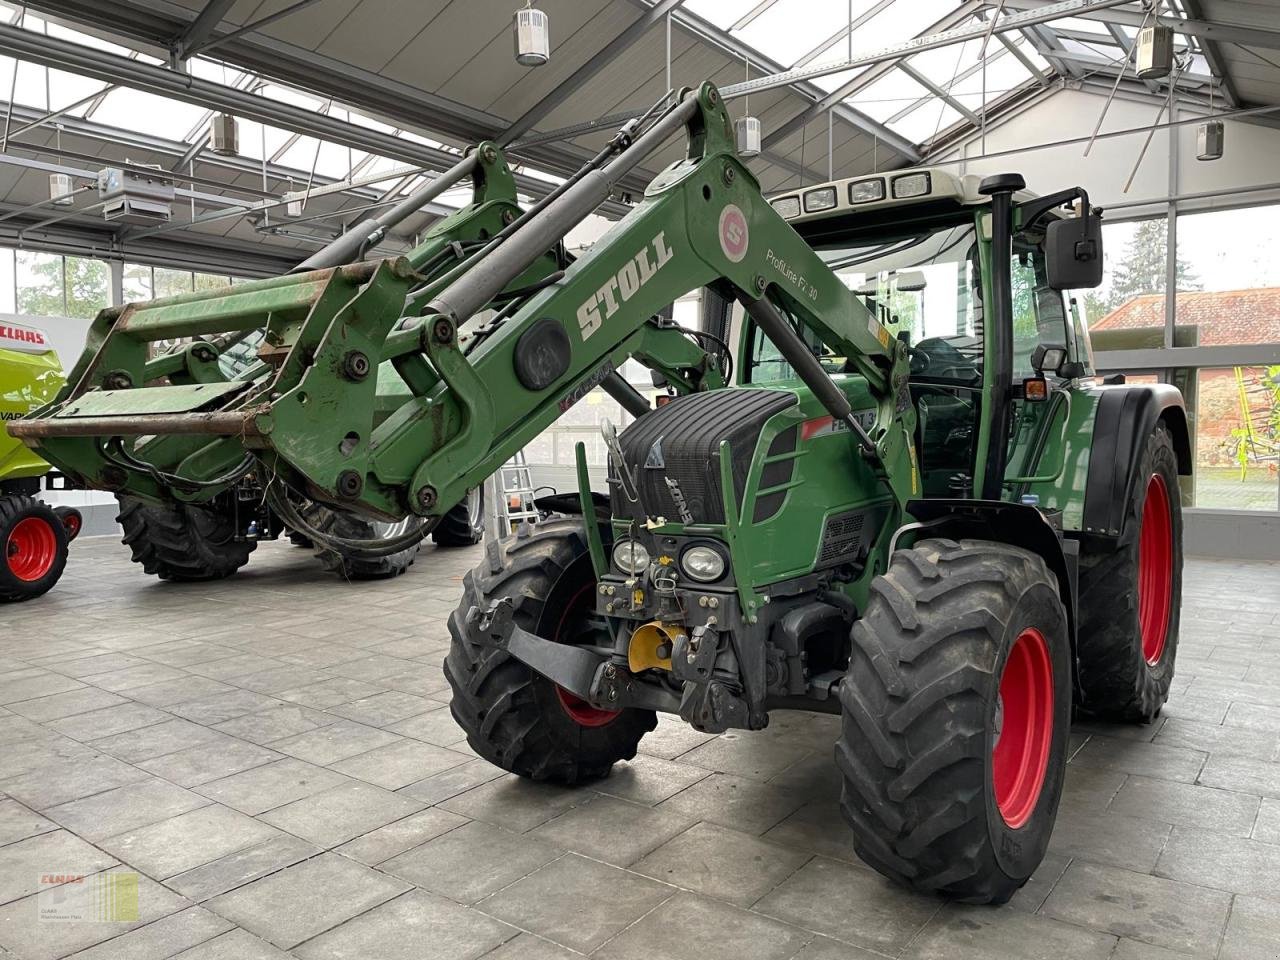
{"points": [[274, 756]]}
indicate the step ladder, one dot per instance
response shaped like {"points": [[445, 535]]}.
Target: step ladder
{"points": [[515, 500]]}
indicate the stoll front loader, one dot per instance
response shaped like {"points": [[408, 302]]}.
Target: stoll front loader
{"points": [[946, 534]]}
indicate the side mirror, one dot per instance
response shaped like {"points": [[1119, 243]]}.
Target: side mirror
{"points": [[1048, 356], [1073, 252]]}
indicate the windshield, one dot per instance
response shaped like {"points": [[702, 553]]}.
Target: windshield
{"points": [[924, 287]]}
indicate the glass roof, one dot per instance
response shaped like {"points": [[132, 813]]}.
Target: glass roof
{"points": [[920, 97]]}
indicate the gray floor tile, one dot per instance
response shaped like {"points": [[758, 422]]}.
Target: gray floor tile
{"points": [[36, 683], [1227, 863], [307, 899], [340, 813], [1242, 774], [721, 863], [223, 706], [592, 829], [186, 841], [271, 785], [1151, 909], [435, 726], [383, 709], [1218, 740], [695, 928], [528, 947], [276, 723], [402, 835], [575, 902], [241, 867], [26, 864], [107, 721], [471, 862], [1103, 836], [817, 827], [194, 766], [157, 740], [66, 780], [649, 780], [1253, 930], [401, 763], [454, 781], [18, 822], [410, 927], [328, 692], [234, 945], [1267, 827], [959, 931], [1218, 811], [872, 914], [335, 742], [744, 805], [60, 705], [125, 808], [1147, 759], [161, 939], [515, 803], [22, 932], [672, 739]]}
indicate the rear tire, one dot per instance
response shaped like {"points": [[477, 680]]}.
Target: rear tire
{"points": [[463, 526], [350, 527], [33, 548], [1131, 595], [183, 542], [956, 714], [513, 717]]}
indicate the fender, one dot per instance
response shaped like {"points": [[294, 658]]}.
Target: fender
{"points": [[1125, 417], [1012, 523]]}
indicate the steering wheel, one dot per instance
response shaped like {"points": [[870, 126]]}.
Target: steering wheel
{"points": [[920, 361]]}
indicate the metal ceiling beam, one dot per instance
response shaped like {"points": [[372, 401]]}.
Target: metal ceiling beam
{"points": [[1213, 57], [202, 26], [869, 14], [938, 92], [1018, 53], [157, 22], [709, 33], [865, 79], [1267, 37], [576, 80], [91, 62], [196, 49]]}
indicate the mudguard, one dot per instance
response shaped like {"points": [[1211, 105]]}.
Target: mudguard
{"points": [[1125, 417]]}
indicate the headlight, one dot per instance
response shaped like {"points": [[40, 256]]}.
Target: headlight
{"points": [[821, 199], [630, 556], [787, 207], [911, 185], [866, 191], [704, 564]]}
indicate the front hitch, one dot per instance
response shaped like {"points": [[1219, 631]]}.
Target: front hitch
{"points": [[590, 676]]}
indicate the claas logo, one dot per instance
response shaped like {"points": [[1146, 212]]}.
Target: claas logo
{"points": [[22, 335]]}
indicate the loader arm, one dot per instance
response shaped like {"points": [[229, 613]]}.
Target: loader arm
{"points": [[561, 328]]}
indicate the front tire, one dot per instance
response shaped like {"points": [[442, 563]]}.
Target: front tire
{"points": [[1131, 596], [463, 526], [183, 542], [326, 520], [513, 717], [33, 548], [956, 714]]}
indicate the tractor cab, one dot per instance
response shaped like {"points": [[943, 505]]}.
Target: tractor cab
{"points": [[915, 247]]}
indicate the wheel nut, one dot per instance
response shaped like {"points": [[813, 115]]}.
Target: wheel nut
{"points": [[427, 497], [355, 365], [350, 484]]}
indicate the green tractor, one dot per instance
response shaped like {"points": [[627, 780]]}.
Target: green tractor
{"points": [[883, 483], [33, 535]]}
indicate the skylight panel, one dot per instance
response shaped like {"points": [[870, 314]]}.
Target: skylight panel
{"points": [[791, 28], [723, 13], [887, 96]]}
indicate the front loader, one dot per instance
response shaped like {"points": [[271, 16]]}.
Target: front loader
{"points": [[910, 505]]}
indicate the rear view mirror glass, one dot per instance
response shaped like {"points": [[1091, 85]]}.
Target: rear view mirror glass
{"points": [[1073, 253]]}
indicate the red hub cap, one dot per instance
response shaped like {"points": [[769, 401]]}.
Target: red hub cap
{"points": [[1024, 731], [572, 624], [31, 549], [1155, 570]]}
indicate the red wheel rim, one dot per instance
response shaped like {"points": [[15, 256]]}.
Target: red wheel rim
{"points": [[1024, 735], [1155, 570], [31, 549], [580, 711]]}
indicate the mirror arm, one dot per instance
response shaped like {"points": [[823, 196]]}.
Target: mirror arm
{"points": [[1033, 210]]}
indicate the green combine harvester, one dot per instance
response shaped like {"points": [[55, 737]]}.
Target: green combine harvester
{"points": [[902, 499], [33, 535]]}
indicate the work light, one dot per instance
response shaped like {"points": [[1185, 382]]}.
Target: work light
{"points": [[824, 198], [911, 185], [630, 556], [787, 207], [866, 191], [702, 563]]}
